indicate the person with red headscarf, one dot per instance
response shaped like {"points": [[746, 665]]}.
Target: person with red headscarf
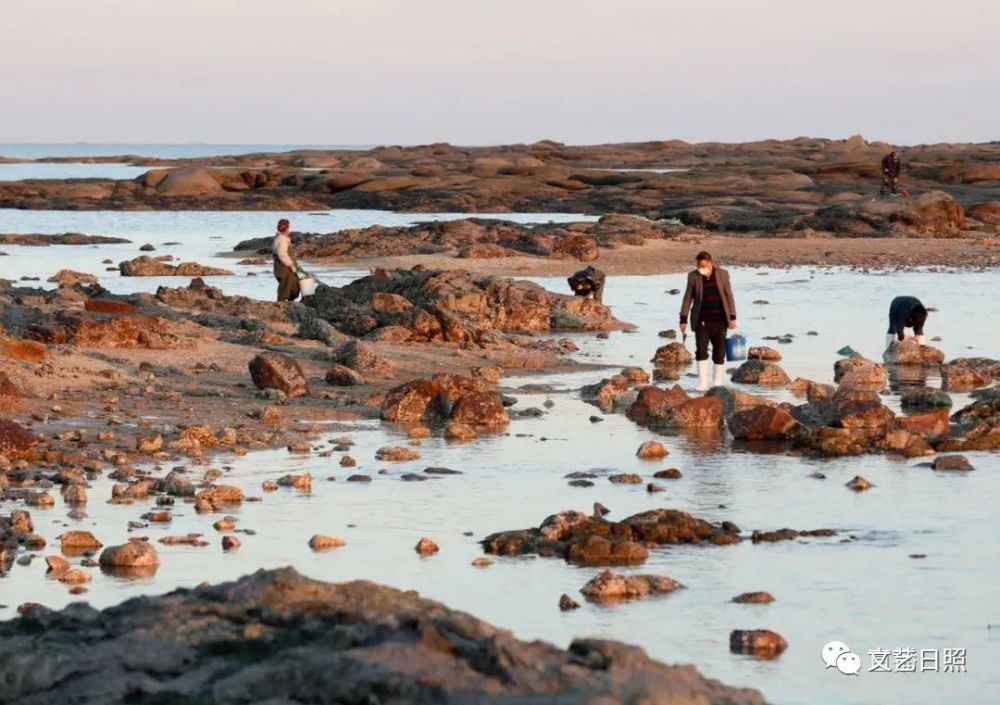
{"points": [[286, 269]]}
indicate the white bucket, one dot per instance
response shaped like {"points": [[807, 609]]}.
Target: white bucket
{"points": [[307, 285]]}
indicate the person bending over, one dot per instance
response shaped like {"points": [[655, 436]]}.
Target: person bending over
{"points": [[709, 300], [906, 312], [588, 282], [891, 166], [285, 267]]}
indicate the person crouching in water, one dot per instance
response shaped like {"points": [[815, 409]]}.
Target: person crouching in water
{"points": [[286, 269], [906, 312], [588, 282], [709, 300]]}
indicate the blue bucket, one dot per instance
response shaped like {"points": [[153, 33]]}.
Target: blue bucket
{"points": [[736, 348]]}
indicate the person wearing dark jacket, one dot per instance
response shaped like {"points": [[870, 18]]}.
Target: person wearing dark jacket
{"points": [[709, 300], [906, 312], [588, 282], [891, 166], [286, 269]]}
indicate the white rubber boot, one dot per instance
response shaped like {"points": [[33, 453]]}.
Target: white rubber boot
{"points": [[890, 338], [719, 379], [920, 340], [703, 366]]}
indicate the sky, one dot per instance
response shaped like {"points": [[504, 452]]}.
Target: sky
{"points": [[497, 71]]}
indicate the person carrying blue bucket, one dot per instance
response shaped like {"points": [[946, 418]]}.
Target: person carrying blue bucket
{"points": [[709, 301]]}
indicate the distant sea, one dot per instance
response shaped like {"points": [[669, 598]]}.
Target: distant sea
{"points": [[38, 150]]}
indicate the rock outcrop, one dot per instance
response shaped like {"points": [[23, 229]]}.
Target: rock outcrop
{"points": [[277, 636]]}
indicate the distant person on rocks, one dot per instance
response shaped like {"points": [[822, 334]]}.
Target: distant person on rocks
{"points": [[906, 312], [588, 282], [891, 166], [709, 300], [286, 269]]}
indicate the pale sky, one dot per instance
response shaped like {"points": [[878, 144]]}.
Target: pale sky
{"points": [[492, 71]]}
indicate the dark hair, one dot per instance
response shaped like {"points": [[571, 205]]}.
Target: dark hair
{"points": [[283, 223], [702, 256], [918, 316]]}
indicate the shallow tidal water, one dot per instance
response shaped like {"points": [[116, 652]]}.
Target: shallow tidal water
{"points": [[860, 587]]}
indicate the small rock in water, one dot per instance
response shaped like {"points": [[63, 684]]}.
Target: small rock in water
{"points": [[668, 474], [567, 603], [600, 510], [653, 487], [762, 643], [482, 562], [319, 542], [754, 598], [625, 478], [230, 543], [580, 483], [596, 419], [651, 450], [952, 462], [859, 484], [426, 547], [668, 334]]}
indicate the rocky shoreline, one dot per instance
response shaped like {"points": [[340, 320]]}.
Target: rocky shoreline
{"points": [[793, 188]]}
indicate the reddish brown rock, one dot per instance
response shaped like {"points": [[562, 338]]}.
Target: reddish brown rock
{"points": [[952, 462], [134, 554], [654, 402], [319, 542], [909, 352], [765, 423], [652, 450], [957, 377], [932, 425], [761, 372], [343, 376], [764, 353], [754, 598], [605, 392], [700, 412], [611, 586], [480, 409], [426, 547], [271, 370], [672, 354], [15, 440], [762, 643]]}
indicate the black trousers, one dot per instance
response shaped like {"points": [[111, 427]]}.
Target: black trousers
{"points": [[713, 332]]}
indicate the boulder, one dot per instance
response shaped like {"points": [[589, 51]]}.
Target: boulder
{"points": [[764, 353], [932, 425], [762, 643], [672, 354], [605, 392], [184, 181], [700, 412], [652, 450], [611, 586], [765, 423], [857, 372], [362, 358], [654, 402], [480, 409], [952, 462], [146, 266], [909, 352], [343, 376], [15, 440], [734, 400], [761, 372], [958, 377], [271, 370], [134, 554], [67, 277], [924, 398]]}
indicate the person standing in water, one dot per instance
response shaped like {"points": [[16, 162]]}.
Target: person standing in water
{"points": [[285, 267], [891, 166], [906, 312], [709, 300]]}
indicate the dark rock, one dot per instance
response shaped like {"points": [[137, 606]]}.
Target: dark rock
{"points": [[271, 370]]}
